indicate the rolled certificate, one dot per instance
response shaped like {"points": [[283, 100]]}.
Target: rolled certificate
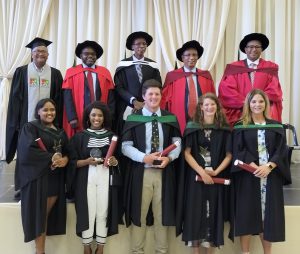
{"points": [[111, 149], [170, 148], [244, 166], [216, 180], [41, 144]]}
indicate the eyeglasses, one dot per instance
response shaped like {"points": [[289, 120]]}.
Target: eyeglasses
{"points": [[253, 47], [190, 55], [140, 44]]}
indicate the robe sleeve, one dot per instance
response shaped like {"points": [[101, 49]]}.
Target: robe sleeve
{"points": [[240, 151], [32, 161], [14, 112], [121, 86]]}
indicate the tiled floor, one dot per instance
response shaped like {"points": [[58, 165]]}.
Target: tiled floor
{"points": [[291, 192]]}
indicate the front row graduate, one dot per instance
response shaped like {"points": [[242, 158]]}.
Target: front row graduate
{"points": [[148, 187], [258, 197], [203, 206], [95, 191], [40, 175]]}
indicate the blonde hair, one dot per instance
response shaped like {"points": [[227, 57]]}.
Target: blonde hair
{"points": [[246, 115], [219, 119]]}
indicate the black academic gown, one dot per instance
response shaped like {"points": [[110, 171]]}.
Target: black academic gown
{"points": [[79, 187], [134, 173], [127, 85], [17, 113], [31, 177], [191, 206], [246, 194]]}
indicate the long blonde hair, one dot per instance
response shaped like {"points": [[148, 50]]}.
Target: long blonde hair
{"points": [[246, 115], [219, 119]]}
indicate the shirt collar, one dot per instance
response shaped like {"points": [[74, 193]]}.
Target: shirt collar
{"points": [[135, 59], [146, 112], [188, 70], [250, 62]]}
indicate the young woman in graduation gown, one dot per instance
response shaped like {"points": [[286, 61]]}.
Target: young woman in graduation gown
{"points": [[42, 155], [258, 197], [96, 196], [207, 150]]}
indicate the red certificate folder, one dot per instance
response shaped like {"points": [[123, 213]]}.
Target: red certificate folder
{"points": [[216, 180], [111, 149], [244, 166], [170, 148], [41, 144]]}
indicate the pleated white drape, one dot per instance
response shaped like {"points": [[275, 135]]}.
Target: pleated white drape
{"points": [[218, 25]]}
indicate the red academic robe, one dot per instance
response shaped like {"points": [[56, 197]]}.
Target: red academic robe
{"points": [[173, 94], [235, 85], [74, 80]]}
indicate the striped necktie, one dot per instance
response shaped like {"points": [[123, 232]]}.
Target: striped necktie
{"points": [[138, 68], [252, 74]]}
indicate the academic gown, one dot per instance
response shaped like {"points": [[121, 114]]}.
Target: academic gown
{"points": [[134, 173], [192, 195], [234, 88], [79, 187], [32, 170], [77, 97], [246, 194], [128, 85], [17, 113], [175, 92]]}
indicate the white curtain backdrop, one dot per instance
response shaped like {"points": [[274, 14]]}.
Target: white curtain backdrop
{"points": [[218, 25]]}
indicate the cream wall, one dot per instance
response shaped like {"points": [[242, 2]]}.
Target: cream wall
{"points": [[11, 237]]}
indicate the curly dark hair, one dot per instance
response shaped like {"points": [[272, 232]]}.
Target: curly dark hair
{"points": [[41, 103], [98, 105], [220, 119]]}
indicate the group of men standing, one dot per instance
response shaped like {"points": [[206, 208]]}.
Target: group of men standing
{"points": [[136, 94]]}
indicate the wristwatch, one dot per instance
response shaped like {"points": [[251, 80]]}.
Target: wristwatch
{"points": [[270, 166]]}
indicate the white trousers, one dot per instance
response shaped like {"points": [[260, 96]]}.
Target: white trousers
{"points": [[97, 197]]}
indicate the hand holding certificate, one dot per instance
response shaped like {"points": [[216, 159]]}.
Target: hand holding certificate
{"points": [[111, 149], [166, 151], [216, 180], [244, 166]]}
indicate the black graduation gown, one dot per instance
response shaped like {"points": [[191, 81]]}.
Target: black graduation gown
{"points": [[134, 173], [79, 187], [127, 85], [246, 194], [31, 176], [191, 209], [17, 113]]}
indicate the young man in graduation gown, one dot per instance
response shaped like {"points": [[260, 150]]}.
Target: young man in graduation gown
{"points": [[31, 83], [85, 83], [150, 188], [251, 73], [184, 86], [130, 74]]}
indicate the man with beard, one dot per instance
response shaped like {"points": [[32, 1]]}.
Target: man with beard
{"points": [[31, 83], [131, 73], [85, 83]]}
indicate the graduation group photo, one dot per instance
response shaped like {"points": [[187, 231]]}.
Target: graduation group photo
{"points": [[149, 126]]}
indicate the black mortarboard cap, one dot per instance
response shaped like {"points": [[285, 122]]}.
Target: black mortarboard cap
{"points": [[38, 42]]}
